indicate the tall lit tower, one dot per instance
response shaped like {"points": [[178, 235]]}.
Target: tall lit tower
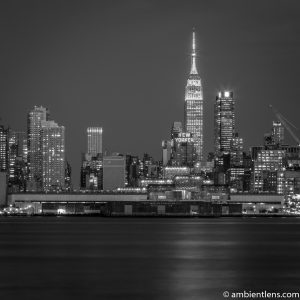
{"points": [[91, 173], [193, 105], [94, 140], [53, 156], [224, 121], [3, 149], [37, 115]]}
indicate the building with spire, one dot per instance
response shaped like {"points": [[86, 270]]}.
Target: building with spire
{"points": [[193, 105]]}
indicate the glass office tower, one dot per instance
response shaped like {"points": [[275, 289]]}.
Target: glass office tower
{"points": [[94, 140], [224, 121]]}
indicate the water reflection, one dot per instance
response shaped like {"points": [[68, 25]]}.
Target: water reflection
{"points": [[85, 258]]}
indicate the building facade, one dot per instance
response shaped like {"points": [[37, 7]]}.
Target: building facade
{"points": [[166, 152], [17, 159], [277, 133], [184, 152], [94, 140], [132, 170], [193, 105], [91, 177], [170, 172], [53, 156], [3, 149], [35, 117], [224, 121], [236, 151], [265, 169], [114, 175]]}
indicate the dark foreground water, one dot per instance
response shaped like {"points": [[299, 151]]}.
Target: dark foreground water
{"points": [[132, 258]]}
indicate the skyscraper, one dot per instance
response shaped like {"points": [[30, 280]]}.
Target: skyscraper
{"points": [[184, 153], [224, 121], [277, 133], [35, 155], [3, 149], [53, 156], [21, 139], [17, 158], [91, 176], [94, 140], [193, 105], [236, 151], [12, 156]]}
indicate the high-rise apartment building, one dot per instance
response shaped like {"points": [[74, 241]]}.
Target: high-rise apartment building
{"points": [[193, 105], [3, 149], [237, 174], [12, 156], [22, 147], [277, 133], [224, 121], [265, 169], [236, 151], [53, 156], [94, 140], [17, 159], [35, 118]]}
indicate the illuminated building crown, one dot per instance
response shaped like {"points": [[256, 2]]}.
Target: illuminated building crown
{"points": [[193, 66]]}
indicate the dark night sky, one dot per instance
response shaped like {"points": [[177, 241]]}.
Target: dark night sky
{"points": [[123, 65]]}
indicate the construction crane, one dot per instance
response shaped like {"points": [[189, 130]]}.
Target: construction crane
{"points": [[286, 123]]}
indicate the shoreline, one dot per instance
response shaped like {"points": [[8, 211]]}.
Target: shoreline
{"points": [[154, 216]]}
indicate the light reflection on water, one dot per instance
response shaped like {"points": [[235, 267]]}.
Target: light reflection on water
{"points": [[104, 258]]}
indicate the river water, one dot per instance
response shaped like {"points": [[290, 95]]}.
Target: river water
{"points": [[146, 258]]}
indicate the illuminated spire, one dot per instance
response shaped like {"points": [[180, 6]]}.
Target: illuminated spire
{"points": [[194, 68]]}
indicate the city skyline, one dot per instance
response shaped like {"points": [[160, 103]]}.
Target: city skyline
{"points": [[268, 47], [149, 149]]}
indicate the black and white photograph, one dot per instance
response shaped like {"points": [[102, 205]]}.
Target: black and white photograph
{"points": [[149, 149]]}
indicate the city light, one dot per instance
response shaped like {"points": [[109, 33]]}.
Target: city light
{"points": [[264, 180]]}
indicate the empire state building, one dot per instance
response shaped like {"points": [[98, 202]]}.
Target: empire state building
{"points": [[193, 104]]}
